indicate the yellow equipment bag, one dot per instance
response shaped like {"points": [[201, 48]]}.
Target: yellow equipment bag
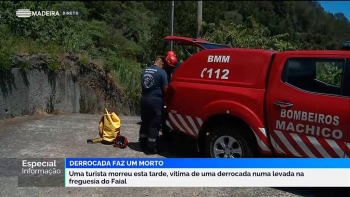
{"points": [[109, 128]]}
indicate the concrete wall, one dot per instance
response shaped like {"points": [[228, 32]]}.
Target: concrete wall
{"points": [[35, 91]]}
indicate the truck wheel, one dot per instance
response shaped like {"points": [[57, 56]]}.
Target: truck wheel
{"points": [[229, 141]]}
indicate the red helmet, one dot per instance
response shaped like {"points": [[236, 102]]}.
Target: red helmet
{"points": [[171, 60], [121, 141], [172, 53]]}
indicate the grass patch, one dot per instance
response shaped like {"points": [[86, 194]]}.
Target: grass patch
{"points": [[127, 73]]}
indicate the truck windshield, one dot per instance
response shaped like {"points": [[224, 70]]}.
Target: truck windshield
{"points": [[212, 46]]}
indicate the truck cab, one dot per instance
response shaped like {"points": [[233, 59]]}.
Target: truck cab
{"points": [[250, 102]]}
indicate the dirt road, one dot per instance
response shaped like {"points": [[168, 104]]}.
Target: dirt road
{"points": [[65, 136]]}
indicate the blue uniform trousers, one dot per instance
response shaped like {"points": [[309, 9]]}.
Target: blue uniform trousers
{"points": [[151, 117]]}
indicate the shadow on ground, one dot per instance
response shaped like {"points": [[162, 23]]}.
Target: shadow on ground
{"points": [[176, 149], [318, 192], [173, 148]]}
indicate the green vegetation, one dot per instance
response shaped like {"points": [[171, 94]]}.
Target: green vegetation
{"points": [[125, 36]]}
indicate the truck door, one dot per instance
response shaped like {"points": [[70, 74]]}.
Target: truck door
{"points": [[307, 105]]}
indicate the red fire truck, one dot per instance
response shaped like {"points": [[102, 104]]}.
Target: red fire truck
{"points": [[242, 103]]}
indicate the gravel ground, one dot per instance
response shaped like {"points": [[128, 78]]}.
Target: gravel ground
{"points": [[65, 136]]}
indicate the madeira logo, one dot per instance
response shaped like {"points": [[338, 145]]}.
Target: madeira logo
{"points": [[26, 13]]}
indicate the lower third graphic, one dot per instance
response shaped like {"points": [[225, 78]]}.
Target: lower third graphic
{"points": [[23, 13]]}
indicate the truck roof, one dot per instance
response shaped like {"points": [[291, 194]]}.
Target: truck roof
{"points": [[319, 52], [197, 42], [248, 66], [206, 45], [304, 52]]}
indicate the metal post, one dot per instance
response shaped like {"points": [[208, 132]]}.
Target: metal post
{"points": [[171, 22], [199, 19]]}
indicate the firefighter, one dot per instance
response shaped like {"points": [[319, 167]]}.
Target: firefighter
{"points": [[154, 84], [171, 62]]}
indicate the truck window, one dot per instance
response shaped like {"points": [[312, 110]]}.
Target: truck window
{"points": [[315, 74]]}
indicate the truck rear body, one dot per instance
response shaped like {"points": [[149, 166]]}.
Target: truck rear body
{"points": [[234, 84]]}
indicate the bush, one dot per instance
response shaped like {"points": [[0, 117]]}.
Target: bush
{"points": [[7, 51], [248, 35]]}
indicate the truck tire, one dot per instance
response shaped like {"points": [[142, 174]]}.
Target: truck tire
{"points": [[229, 141]]}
